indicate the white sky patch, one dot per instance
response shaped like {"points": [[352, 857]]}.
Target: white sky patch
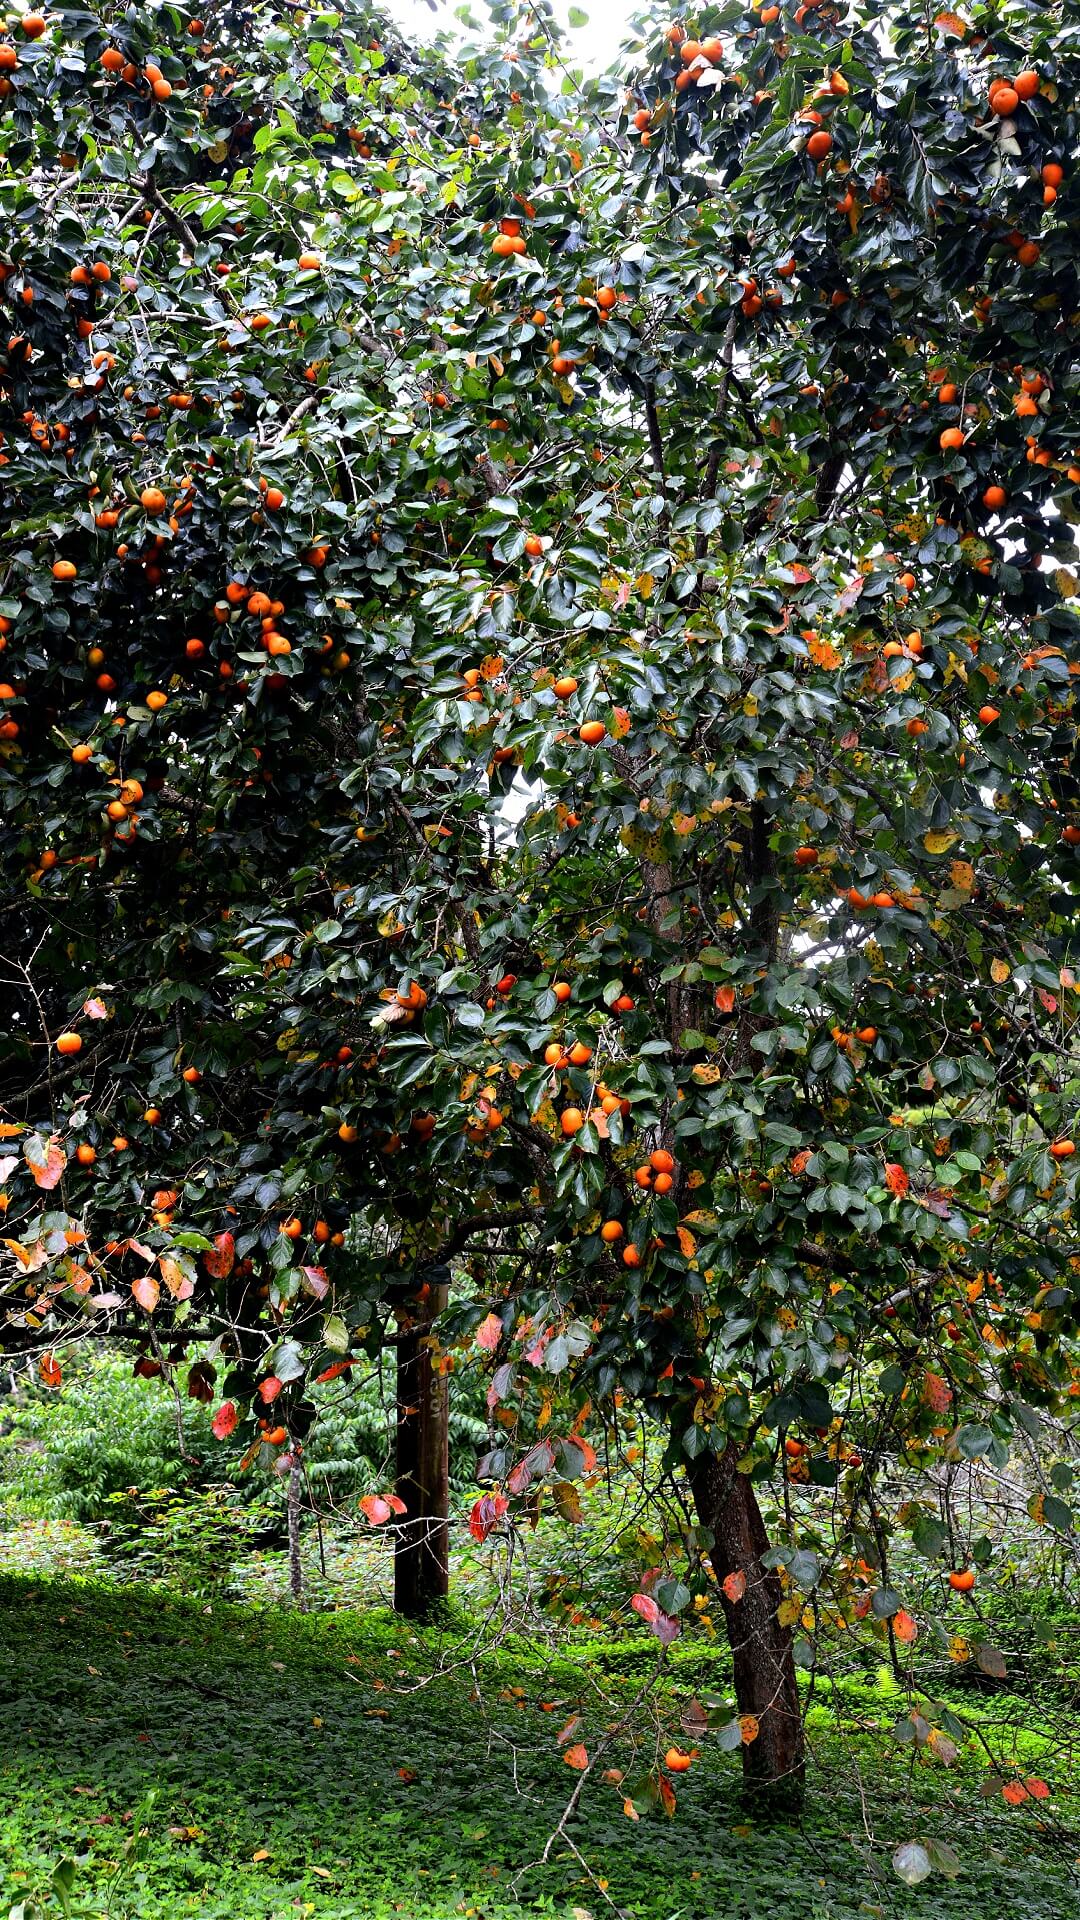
{"points": [[592, 46]]}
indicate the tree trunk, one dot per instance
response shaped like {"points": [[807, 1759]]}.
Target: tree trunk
{"points": [[765, 1683], [421, 1569]]}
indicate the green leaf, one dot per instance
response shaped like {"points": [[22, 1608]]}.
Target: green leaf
{"points": [[912, 1863]]}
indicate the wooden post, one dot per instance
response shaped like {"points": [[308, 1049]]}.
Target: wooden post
{"points": [[296, 1569], [421, 1556]]}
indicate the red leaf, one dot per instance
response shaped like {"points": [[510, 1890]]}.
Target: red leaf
{"points": [[576, 1757], [95, 1010], [489, 1333], [538, 1461], [270, 1388], [735, 1586], [45, 1159], [331, 1372], [645, 1605], [895, 1178], [724, 999], [1038, 1789], [219, 1261], [315, 1282], [375, 1508], [50, 1371], [224, 1420], [146, 1292], [486, 1514]]}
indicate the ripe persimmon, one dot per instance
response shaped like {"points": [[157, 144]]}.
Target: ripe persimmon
{"points": [[68, 1042], [611, 1231], [571, 1120], [592, 733], [819, 145], [962, 1579]]}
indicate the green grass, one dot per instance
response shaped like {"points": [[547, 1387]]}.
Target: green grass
{"points": [[268, 1733]]}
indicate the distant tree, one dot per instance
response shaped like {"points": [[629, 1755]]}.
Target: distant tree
{"points": [[542, 750]]}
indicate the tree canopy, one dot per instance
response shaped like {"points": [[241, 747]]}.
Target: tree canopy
{"points": [[539, 743]]}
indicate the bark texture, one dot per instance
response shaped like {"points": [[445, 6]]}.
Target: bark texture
{"points": [[765, 1681], [421, 1563]]}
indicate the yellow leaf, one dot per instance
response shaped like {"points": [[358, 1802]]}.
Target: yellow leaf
{"points": [[706, 1074], [962, 876], [939, 842], [999, 972], [687, 1243], [1066, 583], [263, 1853]]}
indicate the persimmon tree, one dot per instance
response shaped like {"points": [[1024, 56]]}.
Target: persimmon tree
{"points": [[540, 787]]}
